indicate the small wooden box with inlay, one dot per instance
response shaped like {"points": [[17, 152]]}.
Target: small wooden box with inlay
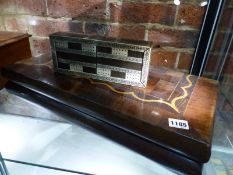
{"points": [[121, 61]]}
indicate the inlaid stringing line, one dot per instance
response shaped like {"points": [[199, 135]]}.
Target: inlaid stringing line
{"points": [[172, 104]]}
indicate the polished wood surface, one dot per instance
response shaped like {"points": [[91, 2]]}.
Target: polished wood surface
{"points": [[143, 112], [11, 37], [175, 162], [13, 47]]}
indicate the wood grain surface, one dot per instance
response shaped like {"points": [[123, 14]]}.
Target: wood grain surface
{"points": [[13, 47], [143, 112]]}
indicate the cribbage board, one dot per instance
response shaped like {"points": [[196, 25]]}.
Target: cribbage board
{"points": [[121, 61]]}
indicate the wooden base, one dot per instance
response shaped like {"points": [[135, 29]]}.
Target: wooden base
{"points": [[176, 163], [141, 112]]}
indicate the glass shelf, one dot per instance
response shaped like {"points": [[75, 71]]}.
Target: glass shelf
{"points": [[23, 169], [3, 169], [69, 147]]}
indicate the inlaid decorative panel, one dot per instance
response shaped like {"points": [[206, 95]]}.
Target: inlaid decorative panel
{"points": [[120, 61]]}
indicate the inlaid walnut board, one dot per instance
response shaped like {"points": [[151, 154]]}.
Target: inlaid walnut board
{"points": [[144, 112]]}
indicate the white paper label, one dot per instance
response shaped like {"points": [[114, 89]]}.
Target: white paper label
{"points": [[175, 123]]}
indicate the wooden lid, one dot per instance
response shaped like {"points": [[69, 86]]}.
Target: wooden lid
{"points": [[10, 37]]}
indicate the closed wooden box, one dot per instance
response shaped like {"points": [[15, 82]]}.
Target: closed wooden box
{"points": [[172, 118], [13, 47]]}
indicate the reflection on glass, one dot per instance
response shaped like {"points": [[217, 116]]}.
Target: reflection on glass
{"points": [[3, 169], [177, 2], [220, 61], [33, 22], [204, 3]]}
